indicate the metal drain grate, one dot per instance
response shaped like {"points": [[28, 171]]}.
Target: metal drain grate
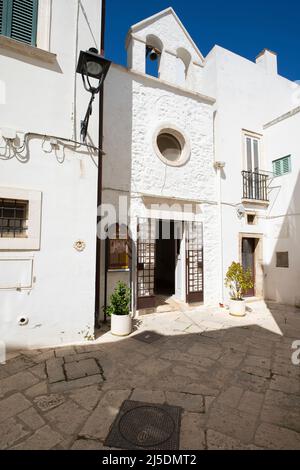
{"points": [[148, 336], [145, 426]]}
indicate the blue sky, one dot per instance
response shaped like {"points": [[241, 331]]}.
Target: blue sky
{"points": [[244, 28]]}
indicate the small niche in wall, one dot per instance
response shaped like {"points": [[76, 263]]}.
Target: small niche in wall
{"points": [[251, 219], [282, 259]]}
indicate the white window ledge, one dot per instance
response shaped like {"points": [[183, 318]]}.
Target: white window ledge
{"points": [[255, 202], [26, 50]]}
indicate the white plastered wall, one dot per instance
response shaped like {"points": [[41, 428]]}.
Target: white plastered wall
{"points": [[44, 95]]}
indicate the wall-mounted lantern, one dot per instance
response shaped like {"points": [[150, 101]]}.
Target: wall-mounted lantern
{"points": [[91, 66]]}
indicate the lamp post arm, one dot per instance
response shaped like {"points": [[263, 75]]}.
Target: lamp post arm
{"points": [[85, 122]]}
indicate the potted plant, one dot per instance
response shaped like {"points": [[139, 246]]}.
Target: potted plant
{"points": [[238, 281], [119, 310]]}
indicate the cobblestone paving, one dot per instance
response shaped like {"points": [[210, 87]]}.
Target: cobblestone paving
{"points": [[234, 379]]}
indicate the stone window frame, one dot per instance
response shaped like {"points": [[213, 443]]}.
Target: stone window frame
{"points": [[32, 241], [180, 135], [253, 135], [251, 214]]}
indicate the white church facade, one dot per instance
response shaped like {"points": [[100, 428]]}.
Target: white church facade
{"points": [[200, 164], [203, 148]]}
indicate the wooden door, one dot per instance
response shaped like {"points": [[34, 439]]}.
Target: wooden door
{"points": [[248, 260]]}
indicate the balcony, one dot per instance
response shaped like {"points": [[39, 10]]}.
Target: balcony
{"points": [[255, 188]]}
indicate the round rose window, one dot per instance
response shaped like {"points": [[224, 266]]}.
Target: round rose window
{"points": [[171, 146]]}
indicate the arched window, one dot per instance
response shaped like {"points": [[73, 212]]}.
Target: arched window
{"points": [[182, 65], [154, 48], [118, 247]]}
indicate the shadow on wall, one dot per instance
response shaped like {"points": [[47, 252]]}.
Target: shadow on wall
{"points": [[282, 274]]}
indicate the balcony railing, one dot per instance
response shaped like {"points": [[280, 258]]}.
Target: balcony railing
{"points": [[255, 186]]}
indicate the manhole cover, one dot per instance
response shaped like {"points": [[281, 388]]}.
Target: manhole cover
{"points": [[148, 336], [145, 426]]}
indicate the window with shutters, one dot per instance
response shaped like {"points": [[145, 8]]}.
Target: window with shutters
{"points": [[18, 20], [282, 166]]}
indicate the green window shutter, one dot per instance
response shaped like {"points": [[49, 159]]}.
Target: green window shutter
{"points": [[277, 168], [24, 21], [282, 166], [20, 20], [3, 14], [286, 164]]}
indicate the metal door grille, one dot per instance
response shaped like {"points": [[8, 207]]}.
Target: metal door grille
{"points": [[194, 261], [146, 263]]}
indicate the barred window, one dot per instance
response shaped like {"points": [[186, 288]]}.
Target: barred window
{"points": [[13, 218]]}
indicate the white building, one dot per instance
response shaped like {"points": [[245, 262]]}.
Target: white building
{"points": [[196, 133], [194, 148], [47, 276]]}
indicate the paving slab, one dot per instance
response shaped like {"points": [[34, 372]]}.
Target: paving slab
{"points": [[17, 382], [192, 435], [277, 438], [43, 439], [219, 441], [67, 418], [10, 432], [187, 401], [80, 369], [99, 422], [31, 418], [232, 422], [233, 378], [55, 371], [13, 405], [65, 386], [148, 396]]}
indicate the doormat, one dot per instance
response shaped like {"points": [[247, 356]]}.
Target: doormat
{"points": [[148, 336], [145, 426]]}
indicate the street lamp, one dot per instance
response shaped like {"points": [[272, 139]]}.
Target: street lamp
{"points": [[91, 65]]}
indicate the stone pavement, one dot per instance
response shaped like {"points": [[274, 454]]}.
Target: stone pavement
{"points": [[233, 377]]}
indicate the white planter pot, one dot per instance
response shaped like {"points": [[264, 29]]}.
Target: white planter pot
{"points": [[121, 325], [237, 308]]}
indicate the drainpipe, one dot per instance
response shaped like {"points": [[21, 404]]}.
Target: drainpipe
{"points": [[219, 166], [99, 191]]}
